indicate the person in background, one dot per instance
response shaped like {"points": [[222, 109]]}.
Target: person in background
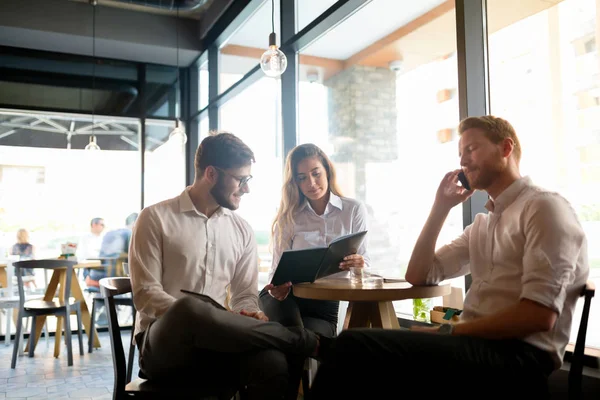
{"points": [[25, 251], [114, 244], [89, 244], [312, 213]]}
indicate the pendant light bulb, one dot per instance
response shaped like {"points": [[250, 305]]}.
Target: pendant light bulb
{"points": [[92, 145], [273, 62], [178, 134]]}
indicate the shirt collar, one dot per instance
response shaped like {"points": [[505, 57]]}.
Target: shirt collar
{"points": [[508, 196], [334, 201], [186, 205]]}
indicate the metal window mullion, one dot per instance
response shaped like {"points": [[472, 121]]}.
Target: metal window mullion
{"points": [[473, 82]]}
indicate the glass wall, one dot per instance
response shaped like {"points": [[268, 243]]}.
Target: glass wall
{"points": [[255, 117], [545, 80], [378, 91], [70, 140], [389, 129], [164, 162], [52, 187], [243, 50]]}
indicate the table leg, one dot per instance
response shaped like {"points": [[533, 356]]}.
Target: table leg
{"points": [[383, 316], [48, 296], [86, 318], [358, 314], [3, 277], [367, 314]]}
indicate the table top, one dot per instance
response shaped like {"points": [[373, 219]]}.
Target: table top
{"points": [[343, 289]]}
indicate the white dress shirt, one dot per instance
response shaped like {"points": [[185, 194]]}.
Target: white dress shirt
{"points": [[174, 247], [530, 246], [342, 216], [89, 246]]}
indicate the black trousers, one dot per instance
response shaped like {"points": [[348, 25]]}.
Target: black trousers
{"points": [[221, 350], [315, 315], [377, 363]]}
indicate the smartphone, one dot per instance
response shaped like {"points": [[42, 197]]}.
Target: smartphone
{"points": [[463, 180]]}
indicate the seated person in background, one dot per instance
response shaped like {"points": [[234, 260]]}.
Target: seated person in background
{"points": [[25, 251], [528, 260], [197, 242], [312, 213], [89, 244], [114, 243]]}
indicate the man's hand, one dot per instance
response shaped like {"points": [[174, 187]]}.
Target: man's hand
{"points": [[450, 193], [259, 315], [352, 261], [279, 292]]}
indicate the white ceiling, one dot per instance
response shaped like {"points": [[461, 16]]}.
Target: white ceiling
{"points": [[382, 17]]}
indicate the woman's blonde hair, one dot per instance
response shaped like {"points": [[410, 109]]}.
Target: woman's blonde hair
{"points": [[22, 236], [291, 195]]}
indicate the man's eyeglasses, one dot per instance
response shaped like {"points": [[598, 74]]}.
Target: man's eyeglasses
{"points": [[243, 180]]}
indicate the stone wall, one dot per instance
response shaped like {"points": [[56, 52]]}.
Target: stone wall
{"points": [[362, 118]]}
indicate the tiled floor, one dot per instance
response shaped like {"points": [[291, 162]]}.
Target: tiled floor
{"points": [[46, 377]]}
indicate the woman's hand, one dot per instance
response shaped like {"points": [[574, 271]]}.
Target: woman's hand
{"points": [[352, 261], [279, 292]]}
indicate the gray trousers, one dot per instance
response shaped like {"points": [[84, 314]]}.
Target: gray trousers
{"points": [[222, 350]]}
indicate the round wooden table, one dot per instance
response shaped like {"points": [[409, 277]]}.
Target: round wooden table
{"points": [[368, 306]]}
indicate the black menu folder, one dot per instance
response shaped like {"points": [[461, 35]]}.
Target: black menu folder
{"points": [[308, 265]]}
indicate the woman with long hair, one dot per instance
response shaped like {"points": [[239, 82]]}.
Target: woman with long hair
{"points": [[24, 249], [312, 213]]}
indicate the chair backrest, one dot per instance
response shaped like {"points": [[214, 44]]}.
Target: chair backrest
{"points": [[109, 288], [576, 369], [45, 264]]}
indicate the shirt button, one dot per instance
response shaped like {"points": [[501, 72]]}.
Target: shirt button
{"points": [[208, 272]]}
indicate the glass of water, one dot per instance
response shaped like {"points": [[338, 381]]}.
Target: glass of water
{"points": [[126, 268]]}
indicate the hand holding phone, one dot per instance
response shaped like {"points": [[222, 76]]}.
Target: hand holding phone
{"points": [[463, 180]]}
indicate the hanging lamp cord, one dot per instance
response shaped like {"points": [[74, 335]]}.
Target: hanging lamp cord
{"points": [[93, 3]]}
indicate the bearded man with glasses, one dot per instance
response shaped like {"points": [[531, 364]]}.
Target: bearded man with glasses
{"points": [[197, 243]]}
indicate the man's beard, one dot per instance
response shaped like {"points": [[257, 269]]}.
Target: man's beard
{"points": [[219, 193], [488, 174]]}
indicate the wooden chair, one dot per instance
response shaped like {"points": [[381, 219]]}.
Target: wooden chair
{"points": [[60, 307], [577, 361], [111, 267], [124, 387]]}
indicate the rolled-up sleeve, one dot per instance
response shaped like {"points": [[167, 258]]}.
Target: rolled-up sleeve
{"points": [[145, 264], [553, 243], [244, 285], [451, 260], [360, 222]]}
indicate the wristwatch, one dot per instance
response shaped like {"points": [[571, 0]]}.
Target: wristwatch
{"points": [[446, 329]]}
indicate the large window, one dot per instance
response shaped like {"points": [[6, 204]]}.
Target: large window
{"points": [[52, 187], [243, 50], [164, 166], [545, 80], [387, 119], [254, 116]]}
